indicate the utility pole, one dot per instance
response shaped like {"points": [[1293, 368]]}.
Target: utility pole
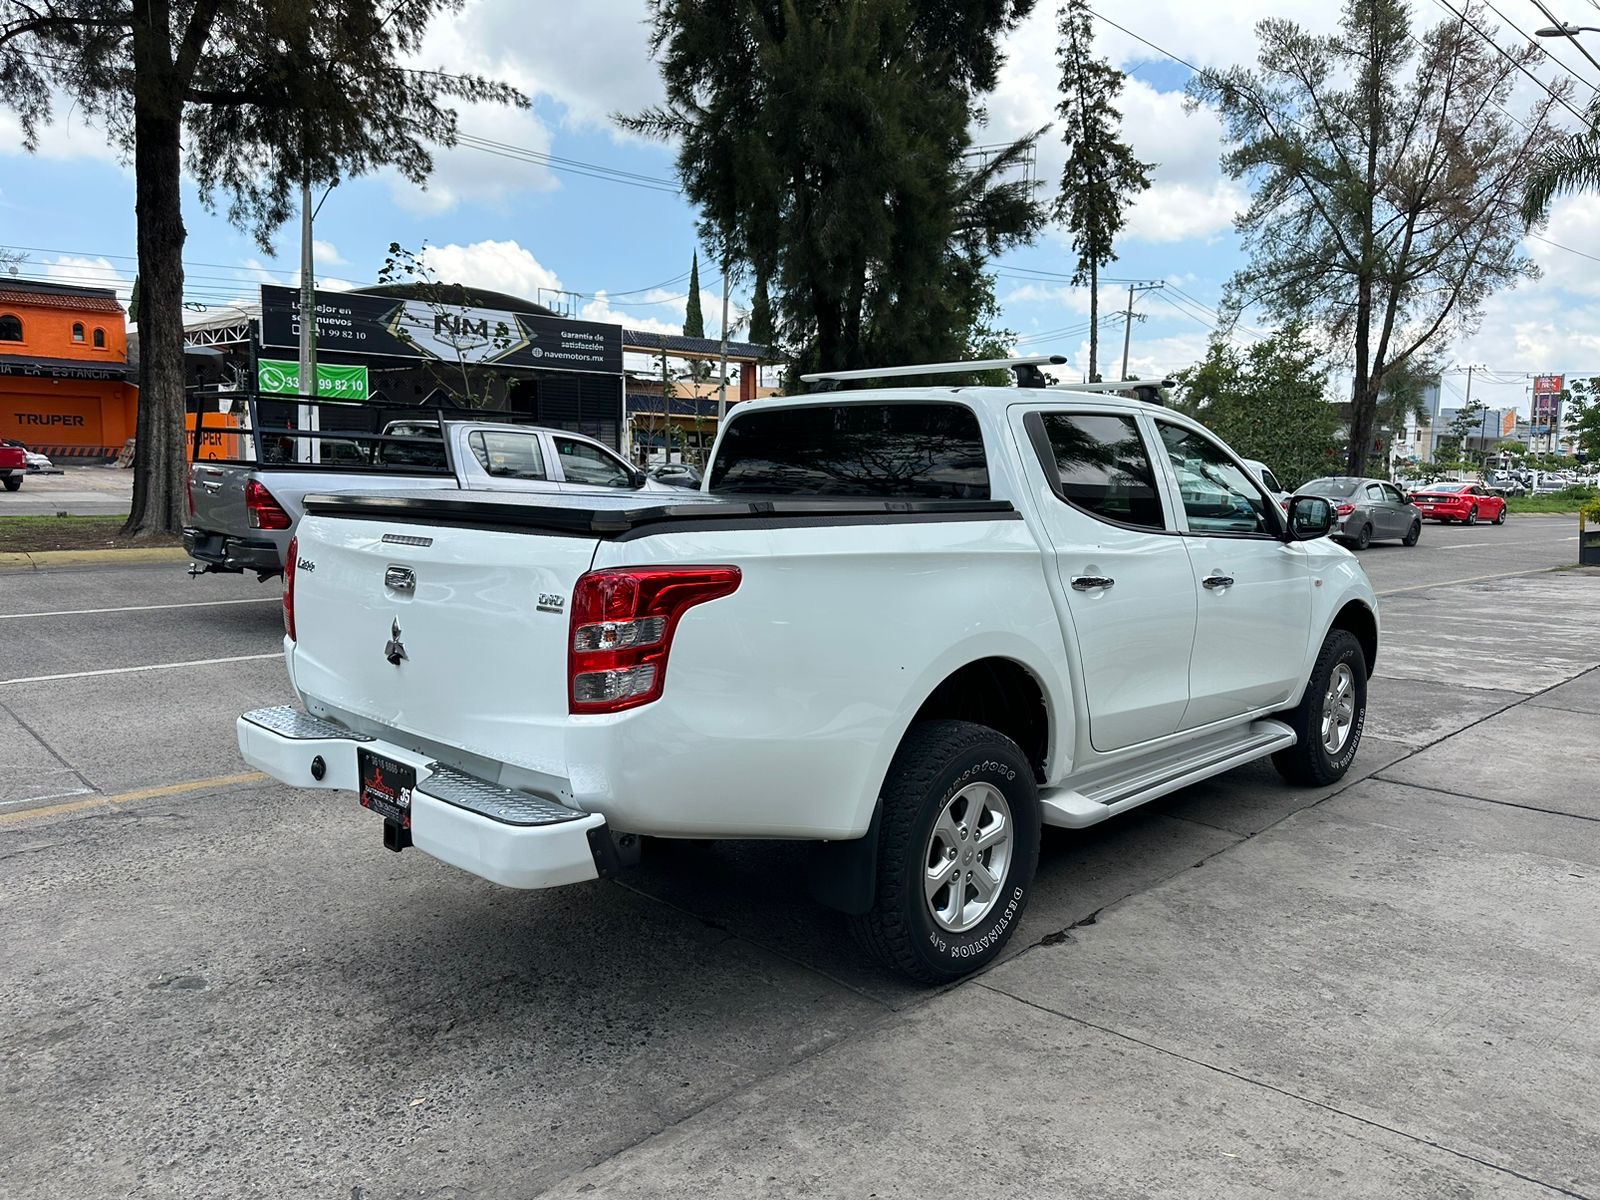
{"points": [[1467, 403], [1127, 324], [310, 448]]}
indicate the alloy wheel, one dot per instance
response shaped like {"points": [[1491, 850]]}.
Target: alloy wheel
{"points": [[1338, 709], [968, 855]]}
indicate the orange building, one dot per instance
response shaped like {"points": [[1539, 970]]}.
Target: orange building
{"points": [[64, 378]]}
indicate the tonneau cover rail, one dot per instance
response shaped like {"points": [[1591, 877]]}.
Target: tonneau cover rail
{"points": [[494, 513]]}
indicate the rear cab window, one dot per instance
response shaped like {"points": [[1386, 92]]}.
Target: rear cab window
{"points": [[897, 449]]}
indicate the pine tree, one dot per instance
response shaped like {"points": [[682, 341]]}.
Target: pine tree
{"points": [[251, 97], [761, 330], [694, 321], [1101, 175], [827, 146]]}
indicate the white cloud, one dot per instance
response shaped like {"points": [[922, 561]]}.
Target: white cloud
{"points": [[484, 176], [593, 60], [326, 254], [68, 137], [89, 272], [1176, 212], [503, 266]]}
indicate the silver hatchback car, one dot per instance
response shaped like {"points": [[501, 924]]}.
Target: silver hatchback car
{"points": [[1366, 510]]}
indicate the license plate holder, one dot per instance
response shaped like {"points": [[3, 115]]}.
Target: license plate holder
{"points": [[386, 786]]}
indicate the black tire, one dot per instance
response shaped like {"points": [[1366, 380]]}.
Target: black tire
{"points": [[1472, 516], [1500, 518], [13, 483], [1364, 538], [935, 762], [1308, 761], [1411, 538]]}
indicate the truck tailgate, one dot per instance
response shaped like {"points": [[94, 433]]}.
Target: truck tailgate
{"points": [[455, 634], [217, 492]]}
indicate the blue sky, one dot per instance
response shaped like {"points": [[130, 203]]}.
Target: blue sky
{"points": [[504, 223]]}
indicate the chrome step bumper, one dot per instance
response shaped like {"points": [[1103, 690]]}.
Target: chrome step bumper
{"points": [[508, 837]]}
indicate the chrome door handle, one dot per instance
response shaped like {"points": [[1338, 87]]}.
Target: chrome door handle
{"points": [[1088, 583], [1217, 581]]}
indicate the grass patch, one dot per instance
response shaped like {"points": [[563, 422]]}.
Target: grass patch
{"points": [[31, 534], [1569, 501]]}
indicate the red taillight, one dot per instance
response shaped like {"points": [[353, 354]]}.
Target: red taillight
{"points": [[288, 588], [1344, 510], [623, 620], [264, 510]]}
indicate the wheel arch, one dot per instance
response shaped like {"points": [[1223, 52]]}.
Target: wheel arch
{"points": [[995, 690], [1357, 619]]}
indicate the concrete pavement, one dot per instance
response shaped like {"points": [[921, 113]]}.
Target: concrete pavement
{"points": [[78, 490], [1381, 989]]}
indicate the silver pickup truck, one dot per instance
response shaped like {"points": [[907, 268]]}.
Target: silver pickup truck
{"points": [[244, 511]]}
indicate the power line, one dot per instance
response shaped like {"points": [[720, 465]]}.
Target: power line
{"points": [[1571, 37], [1473, 25]]}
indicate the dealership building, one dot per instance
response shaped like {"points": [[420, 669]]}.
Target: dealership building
{"points": [[409, 345]]}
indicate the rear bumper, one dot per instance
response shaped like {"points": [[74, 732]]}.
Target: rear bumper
{"points": [[507, 837], [222, 552]]}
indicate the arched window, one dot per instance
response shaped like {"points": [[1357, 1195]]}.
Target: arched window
{"points": [[10, 328], [77, 331], [99, 339]]}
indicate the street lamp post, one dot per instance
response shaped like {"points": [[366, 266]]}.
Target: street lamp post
{"points": [[1565, 29]]}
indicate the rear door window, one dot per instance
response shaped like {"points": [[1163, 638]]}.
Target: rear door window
{"points": [[508, 455], [930, 451], [584, 462], [1101, 465]]}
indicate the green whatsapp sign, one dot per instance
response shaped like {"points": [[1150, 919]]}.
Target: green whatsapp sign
{"points": [[334, 382]]}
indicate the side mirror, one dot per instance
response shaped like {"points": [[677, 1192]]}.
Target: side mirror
{"points": [[1309, 517]]}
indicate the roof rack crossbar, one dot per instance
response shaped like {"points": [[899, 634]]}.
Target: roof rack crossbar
{"points": [[1148, 390], [1026, 369]]}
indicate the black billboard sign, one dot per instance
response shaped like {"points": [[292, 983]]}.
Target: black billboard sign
{"points": [[413, 329]]}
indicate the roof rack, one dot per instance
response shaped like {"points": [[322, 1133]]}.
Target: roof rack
{"points": [[1026, 369], [1148, 390]]}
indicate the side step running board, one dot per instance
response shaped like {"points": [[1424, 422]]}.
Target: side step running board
{"points": [[1104, 794]]}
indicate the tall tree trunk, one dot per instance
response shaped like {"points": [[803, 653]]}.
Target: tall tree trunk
{"points": [[160, 465], [1361, 403], [1094, 321]]}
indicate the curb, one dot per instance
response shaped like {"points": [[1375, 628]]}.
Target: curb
{"points": [[40, 559]]}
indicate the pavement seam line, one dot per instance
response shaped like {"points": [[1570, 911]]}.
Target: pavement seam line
{"points": [[1286, 1093], [198, 662], [150, 793], [1439, 791], [1423, 587], [49, 749], [86, 612]]}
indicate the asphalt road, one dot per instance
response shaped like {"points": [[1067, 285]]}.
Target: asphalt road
{"points": [[215, 985]]}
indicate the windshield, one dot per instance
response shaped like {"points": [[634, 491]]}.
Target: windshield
{"points": [[1446, 487], [1331, 487]]}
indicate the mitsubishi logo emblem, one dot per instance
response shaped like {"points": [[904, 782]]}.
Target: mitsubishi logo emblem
{"points": [[393, 650]]}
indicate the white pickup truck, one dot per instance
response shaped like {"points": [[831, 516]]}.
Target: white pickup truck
{"points": [[908, 625]]}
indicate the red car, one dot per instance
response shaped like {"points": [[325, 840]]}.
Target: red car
{"points": [[13, 466], [1466, 502]]}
